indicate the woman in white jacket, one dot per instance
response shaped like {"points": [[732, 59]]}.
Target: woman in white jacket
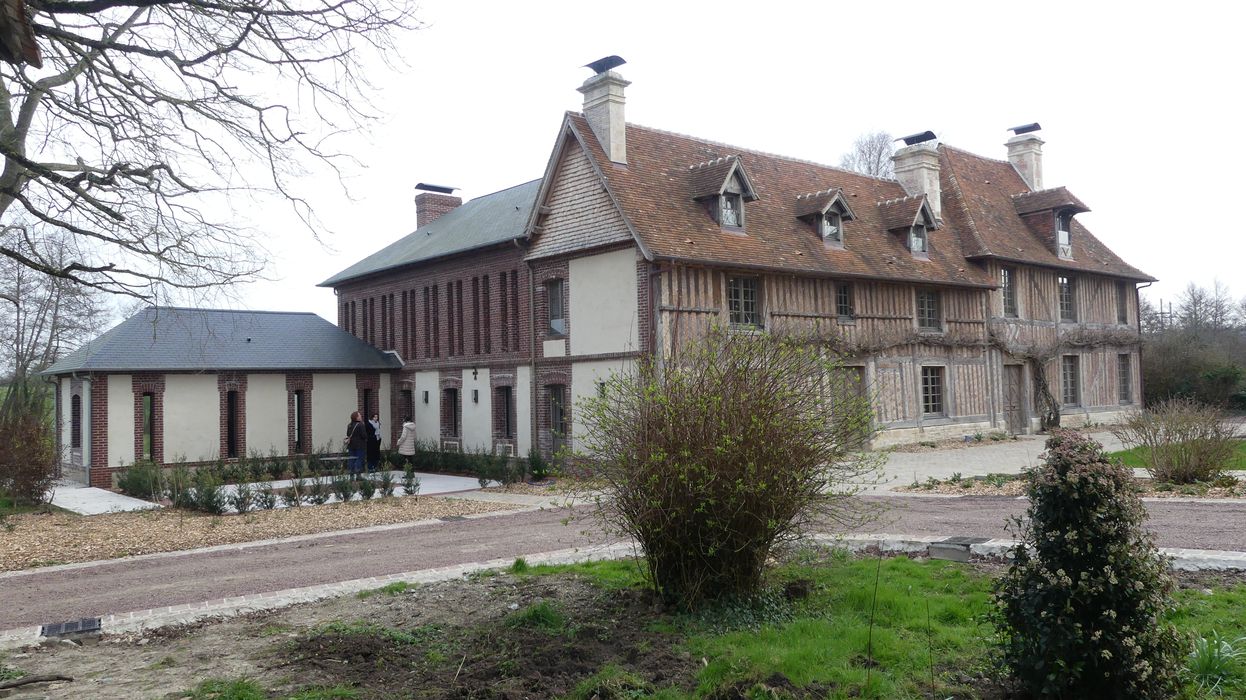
{"points": [[406, 441]]}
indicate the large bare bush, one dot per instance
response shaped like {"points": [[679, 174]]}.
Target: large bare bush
{"points": [[28, 457], [713, 458], [1182, 441]]}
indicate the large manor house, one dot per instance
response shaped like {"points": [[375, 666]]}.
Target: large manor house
{"points": [[964, 296]]}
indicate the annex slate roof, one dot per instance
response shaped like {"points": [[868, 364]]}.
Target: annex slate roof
{"points": [[979, 202], [655, 192], [181, 339], [477, 223]]}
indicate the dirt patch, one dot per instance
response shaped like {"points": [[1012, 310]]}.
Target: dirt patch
{"points": [[42, 539], [558, 486], [457, 639], [1013, 485]]}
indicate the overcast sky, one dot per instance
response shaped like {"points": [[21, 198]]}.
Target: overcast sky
{"points": [[1139, 103]]}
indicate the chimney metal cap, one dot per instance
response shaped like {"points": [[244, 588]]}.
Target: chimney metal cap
{"points": [[1025, 128], [440, 189], [912, 139], [602, 65]]}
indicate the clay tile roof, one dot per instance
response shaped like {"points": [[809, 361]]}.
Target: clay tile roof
{"points": [[982, 209], [1047, 200], [653, 189], [709, 177], [900, 213], [818, 202]]}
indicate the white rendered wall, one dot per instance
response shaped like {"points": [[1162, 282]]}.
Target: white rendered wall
{"points": [[523, 410], [603, 303], [477, 416], [192, 416], [428, 415], [267, 414], [120, 420], [65, 386], [333, 399], [584, 379]]}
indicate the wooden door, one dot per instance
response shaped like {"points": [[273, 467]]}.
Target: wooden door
{"points": [[1014, 399]]}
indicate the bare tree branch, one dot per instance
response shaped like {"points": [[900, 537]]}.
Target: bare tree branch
{"points": [[871, 155]]}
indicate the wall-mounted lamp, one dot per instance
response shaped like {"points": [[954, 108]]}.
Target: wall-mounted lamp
{"points": [[426, 397], [474, 371], [475, 395]]}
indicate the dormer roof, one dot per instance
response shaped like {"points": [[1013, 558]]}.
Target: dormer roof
{"points": [[714, 177], [905, 212], [1054, 199], [819, 203]]}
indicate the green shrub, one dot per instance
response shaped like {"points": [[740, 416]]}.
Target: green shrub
{"points": [[319, 491], [293, 496], [386, 482], [367, 487], [265, 497], [1181, 440], [207, 495], [142, 480], [276, 469], [719, 455], [538, 468], [1215, 663], [29, 462], [243, 498], [410, 483], [1080, 611], [179, 483], [344, 487]]}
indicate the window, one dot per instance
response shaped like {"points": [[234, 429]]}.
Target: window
{"points": [[1122, 302], [75, 422], [843, 301], [928, 310], [1068, 298], [1070, 380], [299, 409], [1064, 242], [232, 428], [917, 239], [932, 391], [557, 414], [458, 315], [742, 307], [1124, 378], [503, 305], [730, 210], [557, 314], [1008, 286], [503, 412], [485, 314], [384, 322], [450, 412], [149, 422], [476, 316], [833, 227]]}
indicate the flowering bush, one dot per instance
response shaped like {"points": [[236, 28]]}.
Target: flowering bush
{"points": [[1080, 610]]}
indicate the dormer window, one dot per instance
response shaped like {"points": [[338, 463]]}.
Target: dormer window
{"points": [[833, 227], [918, 242], [1064, 239], [730, 210]]}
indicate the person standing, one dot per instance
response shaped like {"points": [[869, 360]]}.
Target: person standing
{"points": [[356, 443], [406, 441], [374, 443]]}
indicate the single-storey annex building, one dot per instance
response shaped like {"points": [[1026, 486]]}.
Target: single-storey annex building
{"points": [[195, 385]]}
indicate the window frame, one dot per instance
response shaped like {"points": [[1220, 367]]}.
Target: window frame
{"points": [[1066, 291], [919, 232], [556, 325], [233, 428], [934, 391], [931, 322], [1008, 291], [298, 400], [845, 306], [451, 397], [75, 422], [738, 209], [832, 232], [1122, 303], [1070, 381], [738, 316], [1064, 234], [1124, 379]]}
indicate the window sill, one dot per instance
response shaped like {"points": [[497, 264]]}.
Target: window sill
{"points": [[556, 336], [930, 331], [847, 321], [733, 230], [742, 328]]}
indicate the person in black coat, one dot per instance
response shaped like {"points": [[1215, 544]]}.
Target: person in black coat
{"points": [[374, 443], [356, 442]]}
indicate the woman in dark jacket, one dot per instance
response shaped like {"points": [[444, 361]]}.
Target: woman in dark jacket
{"points": [[374, 443], [356, 442]]}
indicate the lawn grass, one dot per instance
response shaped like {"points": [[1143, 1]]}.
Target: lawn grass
{"points": [[1136, 457]]}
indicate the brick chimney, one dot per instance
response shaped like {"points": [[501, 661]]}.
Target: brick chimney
{"points": [[603, 108], [1025, 152], [917, 169], [430, 206]]}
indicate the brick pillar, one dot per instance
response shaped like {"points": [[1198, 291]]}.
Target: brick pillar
{"points": [[101, 475], [225, 383], [149, 383], [299, 381]]}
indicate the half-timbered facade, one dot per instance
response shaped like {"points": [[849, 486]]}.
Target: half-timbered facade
{"points": [[964, 296]]}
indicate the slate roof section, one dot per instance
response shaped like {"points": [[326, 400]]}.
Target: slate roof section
{"points": [[655, 190], [181, 339], [1047, 200], [982, 210], [478, 223]]}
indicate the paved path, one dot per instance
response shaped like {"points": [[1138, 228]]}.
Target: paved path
{"points": [[34, 597], [88, 500]]}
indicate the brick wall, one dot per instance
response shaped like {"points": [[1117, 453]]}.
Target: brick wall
{"points": [[101, 474], [225, 383], [299, 381], [149, 383], [430, 206]]}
